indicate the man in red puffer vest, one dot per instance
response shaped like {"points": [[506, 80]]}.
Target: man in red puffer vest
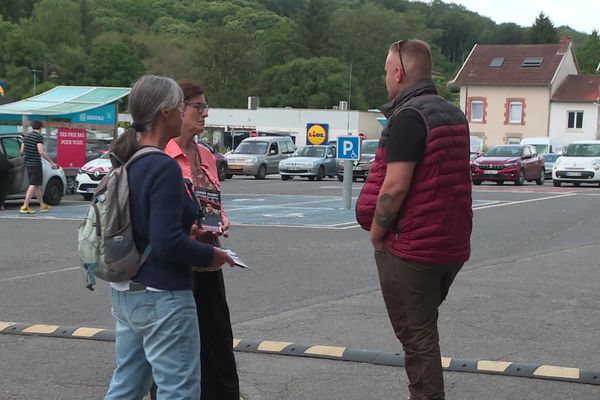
{"points": [[416, 204]]}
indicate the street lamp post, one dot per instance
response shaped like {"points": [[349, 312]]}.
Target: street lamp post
{"points": [[34, 71]]}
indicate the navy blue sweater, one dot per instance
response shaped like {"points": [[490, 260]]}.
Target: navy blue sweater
{"points": [[162, 214]]}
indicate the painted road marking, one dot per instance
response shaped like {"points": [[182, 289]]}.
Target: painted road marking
{"points": [[506, 368], [267, 345], [330, 351], [14, 278], [512, 203], [310, 211], [41, 329]]}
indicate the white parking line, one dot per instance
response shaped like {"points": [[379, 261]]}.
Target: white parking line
{"points": [[14, 278], [282, 205], [511, 203]]}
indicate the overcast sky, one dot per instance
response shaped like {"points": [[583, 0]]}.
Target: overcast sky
{"points": [[581, 15]]}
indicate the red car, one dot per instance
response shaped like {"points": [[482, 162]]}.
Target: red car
{"points": [[517, 163]]}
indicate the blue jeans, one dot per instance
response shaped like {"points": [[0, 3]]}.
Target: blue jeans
{"points": [[156, 337]]}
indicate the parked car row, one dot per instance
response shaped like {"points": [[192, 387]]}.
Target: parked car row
{"points": [[516, 163], [579, 163], [264, 155]]}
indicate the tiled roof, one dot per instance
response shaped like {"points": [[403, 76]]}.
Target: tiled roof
{"points": [[583, 88], [477, 70]]}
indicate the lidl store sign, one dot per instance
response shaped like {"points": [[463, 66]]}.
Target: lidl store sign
{"points": [[317, 133]]}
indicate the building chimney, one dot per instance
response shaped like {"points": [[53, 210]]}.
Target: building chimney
{"points": [[253, 102], [565, 41], [343, 106]]}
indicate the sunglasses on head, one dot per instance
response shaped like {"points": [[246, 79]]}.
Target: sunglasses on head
{"points": [[198, 106], [398, 46]]}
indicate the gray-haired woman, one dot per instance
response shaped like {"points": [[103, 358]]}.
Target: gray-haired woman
{"points": [[157, 332]]}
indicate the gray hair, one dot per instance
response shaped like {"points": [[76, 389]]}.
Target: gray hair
{"points": [[150, 94]]}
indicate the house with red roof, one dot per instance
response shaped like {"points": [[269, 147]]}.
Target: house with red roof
{"points": [[506, 91], [575, 109]]}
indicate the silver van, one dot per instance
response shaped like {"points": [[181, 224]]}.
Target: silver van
{"points": [[259, 156]]}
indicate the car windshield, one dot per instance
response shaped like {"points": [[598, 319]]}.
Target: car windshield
{"points": [[369, 147], [310, 152], [541, 148], [252, 148], [583, 150], [550, 157], [504, 151]]}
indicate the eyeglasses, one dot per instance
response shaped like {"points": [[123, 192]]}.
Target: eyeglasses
{"points": [[198, 106], [399, 45]]}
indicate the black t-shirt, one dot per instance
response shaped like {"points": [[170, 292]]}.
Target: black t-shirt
{"points": [[32, 155], [407, 137]]}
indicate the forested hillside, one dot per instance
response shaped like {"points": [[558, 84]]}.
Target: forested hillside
{"points": [[289, 52]]}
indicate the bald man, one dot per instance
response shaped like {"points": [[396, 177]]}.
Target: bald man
{"points": [[416, 204]]}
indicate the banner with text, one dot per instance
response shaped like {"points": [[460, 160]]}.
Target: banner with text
{"points": [[70, 149]]}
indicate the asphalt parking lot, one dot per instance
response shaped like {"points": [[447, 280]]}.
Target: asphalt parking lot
{"points": [[528, 296]]}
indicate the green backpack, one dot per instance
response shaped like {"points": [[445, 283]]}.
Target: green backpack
{"points": [[106, 245]]}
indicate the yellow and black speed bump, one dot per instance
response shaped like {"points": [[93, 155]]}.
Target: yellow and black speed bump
{"points": [[505, 368]]}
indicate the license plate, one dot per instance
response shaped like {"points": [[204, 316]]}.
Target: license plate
{"points": [[491, 172], [90, 190], [356, 168], [235, 167], [573, 173]]}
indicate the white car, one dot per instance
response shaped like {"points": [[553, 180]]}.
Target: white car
{"points": [[580, 163], [90, 175], [54, 184]]}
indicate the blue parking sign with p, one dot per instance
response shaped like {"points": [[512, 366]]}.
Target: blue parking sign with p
{"points": [[348, 147]]}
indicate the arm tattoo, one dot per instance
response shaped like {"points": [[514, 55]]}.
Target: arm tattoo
{"points": [[385, 213]]}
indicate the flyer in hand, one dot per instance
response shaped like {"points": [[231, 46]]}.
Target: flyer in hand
{"points": [[238, 261]]}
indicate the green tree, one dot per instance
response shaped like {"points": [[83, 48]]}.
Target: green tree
{"points": [[362, 36], [308, 83], [588, 53], [56, 22], [14, 10], [313, 24], [228, 61], [542, 31], [112, 64]]}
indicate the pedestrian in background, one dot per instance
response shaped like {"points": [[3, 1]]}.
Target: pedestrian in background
{"points": [[417, 205], [198, 165], [157, 335], [33, 150]]}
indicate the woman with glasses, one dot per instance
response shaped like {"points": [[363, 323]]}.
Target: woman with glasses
{"points": [[198, 166], [157, 326]]}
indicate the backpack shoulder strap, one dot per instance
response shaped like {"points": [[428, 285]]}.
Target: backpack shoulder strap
{"points": [[144, 151]]}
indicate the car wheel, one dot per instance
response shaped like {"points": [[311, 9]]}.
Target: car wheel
{"points": [[229, 176], [500, 183], [311, 178], [541, 179], [222, 172], [341, 178], [54, 192], [521, 179], [262, 172], [87, 196], [477, 183], [286, 177], [320, 173], [556, 183]]}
